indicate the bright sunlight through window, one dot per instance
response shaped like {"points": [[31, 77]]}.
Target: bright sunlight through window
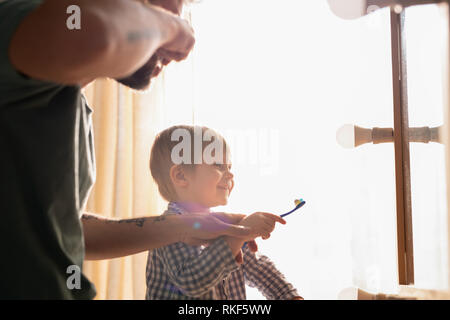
{"points": [[277, 79]]}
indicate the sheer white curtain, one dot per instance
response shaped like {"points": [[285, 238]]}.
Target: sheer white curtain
{"points": [[278, 79], [426, 30]]}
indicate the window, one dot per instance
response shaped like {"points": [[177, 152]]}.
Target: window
{"points": [[285, 77]]}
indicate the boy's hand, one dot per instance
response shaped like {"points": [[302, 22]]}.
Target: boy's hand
{"points": [[261, 224]]}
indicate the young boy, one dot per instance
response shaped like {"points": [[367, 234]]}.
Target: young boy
{"points": [[195, 181]]}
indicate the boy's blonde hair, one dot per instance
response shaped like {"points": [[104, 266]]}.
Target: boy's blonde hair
{"points": [[161, 156]]}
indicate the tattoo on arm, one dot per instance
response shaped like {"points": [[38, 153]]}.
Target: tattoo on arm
{"points": [[137, 221], [91, 217], [159, 218], [138, 35]]}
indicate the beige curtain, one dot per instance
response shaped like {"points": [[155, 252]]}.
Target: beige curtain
{"points": [[125, 123]]}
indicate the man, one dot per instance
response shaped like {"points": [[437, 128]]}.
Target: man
{"points": [[47, 165]]}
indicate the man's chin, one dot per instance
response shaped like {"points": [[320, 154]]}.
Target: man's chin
{"points": [[141, 78]]}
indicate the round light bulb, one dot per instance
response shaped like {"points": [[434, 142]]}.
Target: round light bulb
{"points": [[348, 9], [398, 8], [345, 136]]}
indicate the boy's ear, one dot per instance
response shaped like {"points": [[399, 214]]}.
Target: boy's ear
{"points": [[178, 176]]}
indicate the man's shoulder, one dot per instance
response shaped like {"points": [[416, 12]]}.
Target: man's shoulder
{"points": [[12, 13], [19, 5]]}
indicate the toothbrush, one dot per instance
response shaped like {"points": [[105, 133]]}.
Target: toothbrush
{"points": [[298, 205]]}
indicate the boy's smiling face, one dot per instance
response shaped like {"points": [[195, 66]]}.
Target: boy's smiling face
{"points": [[210, 185], [206, 185]]}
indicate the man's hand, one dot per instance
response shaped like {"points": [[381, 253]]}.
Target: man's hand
{"points": [[140, 79], [174, 6], [165, 53], [236, 218], [261, 224], [180, 45], [199, 228]]}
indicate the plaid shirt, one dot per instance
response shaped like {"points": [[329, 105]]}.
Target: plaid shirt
{"points": [[183, 272]]}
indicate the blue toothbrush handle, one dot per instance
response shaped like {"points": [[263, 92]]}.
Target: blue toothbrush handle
{"points": [[301, 204], [297, 207]]}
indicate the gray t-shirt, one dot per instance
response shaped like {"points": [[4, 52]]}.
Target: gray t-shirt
{"points": [[47, 169]]}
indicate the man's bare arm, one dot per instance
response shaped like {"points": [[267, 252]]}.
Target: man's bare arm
{"points": [[115, 39], [108, 238]]}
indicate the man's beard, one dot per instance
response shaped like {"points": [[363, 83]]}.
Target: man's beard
{"points": [[141, 78]]}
